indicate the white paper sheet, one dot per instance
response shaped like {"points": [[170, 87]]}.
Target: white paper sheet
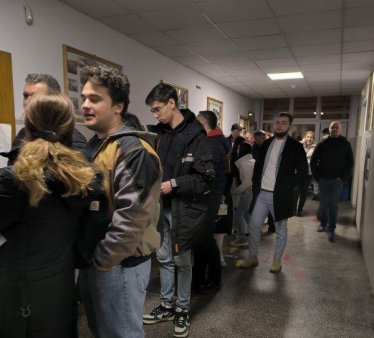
{"points": [[5, 142]]}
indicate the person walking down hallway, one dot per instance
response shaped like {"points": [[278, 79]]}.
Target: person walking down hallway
{"points": [[188, 175], [280, 166], [260, 136], [331, 164]]}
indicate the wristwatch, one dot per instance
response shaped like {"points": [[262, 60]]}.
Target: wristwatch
{"points": [[173, 183]]}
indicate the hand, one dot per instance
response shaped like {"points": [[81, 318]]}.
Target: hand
{"points": [[166, 188]]}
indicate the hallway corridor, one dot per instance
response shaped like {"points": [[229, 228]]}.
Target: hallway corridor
{"points": [[323, 289]]}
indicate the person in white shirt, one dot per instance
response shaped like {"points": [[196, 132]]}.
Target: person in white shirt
{"points": [[280, 166]]}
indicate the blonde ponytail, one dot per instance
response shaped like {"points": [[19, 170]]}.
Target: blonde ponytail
{"points": [[41, 160]]}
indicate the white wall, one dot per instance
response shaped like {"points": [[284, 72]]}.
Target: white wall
{"points": [[38, 48]]}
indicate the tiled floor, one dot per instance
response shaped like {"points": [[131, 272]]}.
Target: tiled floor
{"points": [[322, 291]]}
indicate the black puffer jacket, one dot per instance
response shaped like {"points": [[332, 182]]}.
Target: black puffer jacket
{"points": [[194, 175], [37, 260]]}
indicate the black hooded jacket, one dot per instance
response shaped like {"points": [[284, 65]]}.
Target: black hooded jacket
{"points": [[185, 156]]}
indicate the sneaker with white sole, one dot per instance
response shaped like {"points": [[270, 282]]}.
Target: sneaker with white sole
{"points": [[181, 323], [240, 241], [161, 313]]}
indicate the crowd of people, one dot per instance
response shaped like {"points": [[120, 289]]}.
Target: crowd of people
{"points": [[173, 190]]}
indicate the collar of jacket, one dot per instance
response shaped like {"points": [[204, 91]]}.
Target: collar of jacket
{"points": [[123, 130], [215, 132]]}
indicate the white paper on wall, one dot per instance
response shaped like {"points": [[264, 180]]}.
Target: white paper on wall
{"points": [[5, 142]]}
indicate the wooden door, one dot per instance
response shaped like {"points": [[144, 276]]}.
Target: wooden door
{"points": [[6, 91]]}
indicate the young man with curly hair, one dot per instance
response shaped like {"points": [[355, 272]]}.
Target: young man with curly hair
{"points": [[113, 284]]}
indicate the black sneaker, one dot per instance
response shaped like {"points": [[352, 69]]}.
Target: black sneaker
{"points": [[181, 323], [159, 314], [321, 228]]}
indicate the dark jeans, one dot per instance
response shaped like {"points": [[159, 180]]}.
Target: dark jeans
{"points": [[300, 193], [329, 193]]}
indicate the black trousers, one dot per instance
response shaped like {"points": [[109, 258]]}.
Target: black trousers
{"points": [[207, 260]]}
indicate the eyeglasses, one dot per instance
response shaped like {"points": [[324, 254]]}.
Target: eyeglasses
{"points": [[157, 110]]}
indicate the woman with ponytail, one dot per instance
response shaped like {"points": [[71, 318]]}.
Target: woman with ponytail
{"points": [[45, 199]]}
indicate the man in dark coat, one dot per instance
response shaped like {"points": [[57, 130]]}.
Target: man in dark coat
{"points": [[207, 257], [280, 165], [188, 172], [40, 83], [260, 137], [331, 164]]}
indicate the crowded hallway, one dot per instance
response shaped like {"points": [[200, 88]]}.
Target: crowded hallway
{"points": [[322, 291], [186, 168]]}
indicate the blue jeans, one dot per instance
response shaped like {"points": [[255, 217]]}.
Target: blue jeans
{"points": [[168, 264], [263, 206], [114, 300], [329, 193], [242, 212]]}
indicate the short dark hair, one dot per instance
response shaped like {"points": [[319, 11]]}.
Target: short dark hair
{"points": [[162, 93], [49, 80], [326, 131], [210, 118], [132, 121], [288, 115], [117, 83], [244, 149]]}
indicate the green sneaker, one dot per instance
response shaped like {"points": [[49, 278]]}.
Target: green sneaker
{"points": [[181, 323], [161, 313]]}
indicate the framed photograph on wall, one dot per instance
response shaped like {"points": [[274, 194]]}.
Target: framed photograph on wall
{"points": [[216, 106], [182, 95], [74, 77], [371, 107]]}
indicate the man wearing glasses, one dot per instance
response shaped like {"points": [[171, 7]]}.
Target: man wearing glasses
{"points": [[188, 172]]}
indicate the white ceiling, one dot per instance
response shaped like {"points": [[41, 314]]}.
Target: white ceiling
{"points": [[237, 42]]}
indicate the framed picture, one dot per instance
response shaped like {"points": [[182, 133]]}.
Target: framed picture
{"points": [[371, 108], [74, 77], [216, 106], [182, 95]]}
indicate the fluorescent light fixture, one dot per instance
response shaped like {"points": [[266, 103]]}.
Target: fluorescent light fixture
{"points": [[286, 76]]}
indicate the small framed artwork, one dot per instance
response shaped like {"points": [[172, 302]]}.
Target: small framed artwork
{"points": [[74, 77], [371, 107], [216, 107], [182, 95]]}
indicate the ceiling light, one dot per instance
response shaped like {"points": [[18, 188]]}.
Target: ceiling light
{"points": [[322, 112], [286, 76], [315, 113]]}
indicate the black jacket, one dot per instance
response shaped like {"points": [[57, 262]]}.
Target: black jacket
{"points": [[79, 142], [194, 174], [293, 169], [332, 158], [220, 148], [36, 261]]}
